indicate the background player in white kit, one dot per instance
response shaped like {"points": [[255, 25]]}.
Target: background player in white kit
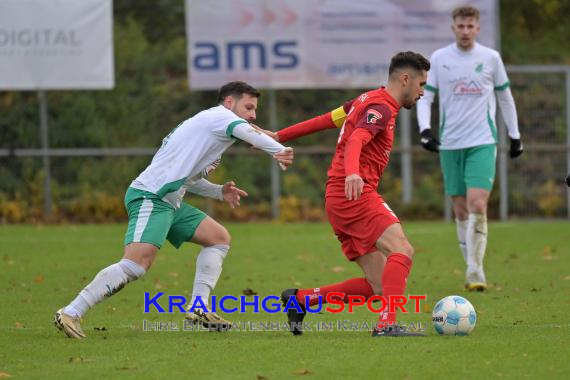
{"points": [[468, 78], [157, 213]]}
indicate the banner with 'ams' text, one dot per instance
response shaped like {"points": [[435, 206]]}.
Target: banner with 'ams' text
{"points": [[315, 43]]}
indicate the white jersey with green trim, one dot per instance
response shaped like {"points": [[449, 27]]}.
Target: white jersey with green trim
{"points": [[188, 153], [466, 82]]}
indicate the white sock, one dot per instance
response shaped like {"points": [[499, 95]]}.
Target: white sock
{"points": [[106, 283], [476, 239], [208, 270], [461, 226]]}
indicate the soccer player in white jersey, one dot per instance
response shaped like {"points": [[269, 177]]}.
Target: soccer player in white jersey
{"points": [[469, 78], [157, 212]]}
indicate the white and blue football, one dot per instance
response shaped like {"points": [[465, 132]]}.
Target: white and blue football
{"points": [[454, 315]]}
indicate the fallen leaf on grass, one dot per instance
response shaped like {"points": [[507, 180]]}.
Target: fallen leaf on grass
{"points": [[100, 328], [19, 325], [4, 375], [39, 279], [249, 292], [302, 371], [337, 269], [261, 377]]}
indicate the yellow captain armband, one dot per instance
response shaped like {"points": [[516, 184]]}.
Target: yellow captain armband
{"points": [[338, 116]]}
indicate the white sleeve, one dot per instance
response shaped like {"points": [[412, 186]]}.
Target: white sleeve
{"points": [[500, 74], [259, 140], [509, 112], [424, 110], [431, 88], [205, 188]]}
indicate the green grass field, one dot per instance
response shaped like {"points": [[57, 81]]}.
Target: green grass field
{"points": [[523, 328]]}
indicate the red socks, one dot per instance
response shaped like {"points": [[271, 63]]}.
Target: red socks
{"points": [[394, 279], [351, 287]]}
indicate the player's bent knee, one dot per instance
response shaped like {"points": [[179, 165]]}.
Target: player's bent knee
{"points": [[219, 237], [478, 206], [142, 254], [223, 237]]}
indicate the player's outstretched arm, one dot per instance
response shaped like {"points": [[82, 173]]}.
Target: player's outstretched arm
{"points": [[259, 140], [330, 120]]}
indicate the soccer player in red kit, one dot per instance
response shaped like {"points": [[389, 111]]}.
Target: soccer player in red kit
{"points": [[369, 231]]}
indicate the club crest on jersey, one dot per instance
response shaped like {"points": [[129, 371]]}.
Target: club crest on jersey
{"points": [[373, 116]]}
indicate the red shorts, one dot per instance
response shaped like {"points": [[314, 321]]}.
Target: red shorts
{"points": [[359, 223]]}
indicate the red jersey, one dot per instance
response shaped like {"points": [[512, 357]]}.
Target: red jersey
{"points": [[365, 141]]}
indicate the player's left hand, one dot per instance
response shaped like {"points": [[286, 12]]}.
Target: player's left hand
{"points": [[232, 194], [516, 148], [353, 186]]}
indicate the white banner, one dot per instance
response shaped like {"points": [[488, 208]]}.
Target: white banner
{"points": [[56, 44], [315, 43]]}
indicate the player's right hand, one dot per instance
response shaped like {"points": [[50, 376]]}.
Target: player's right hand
{"points": [[285, 157], [353, 186], [516, 148], [428, 141]]}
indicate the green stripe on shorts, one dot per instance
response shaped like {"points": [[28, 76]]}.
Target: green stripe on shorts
{"points": [[150, 218]]}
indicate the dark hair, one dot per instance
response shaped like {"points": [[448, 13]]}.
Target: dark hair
{"points": [[237, 89], [465, 11], [408, 59]]}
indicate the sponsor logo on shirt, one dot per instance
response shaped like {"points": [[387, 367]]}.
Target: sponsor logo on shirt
{"points": [[373, 116], [211, 167], [479, 68], [465, 88]]}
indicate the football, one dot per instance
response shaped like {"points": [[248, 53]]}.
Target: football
{"points": [[454, 315]]}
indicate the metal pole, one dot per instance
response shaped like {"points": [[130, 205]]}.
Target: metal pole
{"points": [[42, 99], [568, 136], [502, 135], [406, 157], [503, 170], [275, 174], [447, 208]]}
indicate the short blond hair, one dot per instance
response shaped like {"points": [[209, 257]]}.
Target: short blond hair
{"points": [[465, 11]]}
